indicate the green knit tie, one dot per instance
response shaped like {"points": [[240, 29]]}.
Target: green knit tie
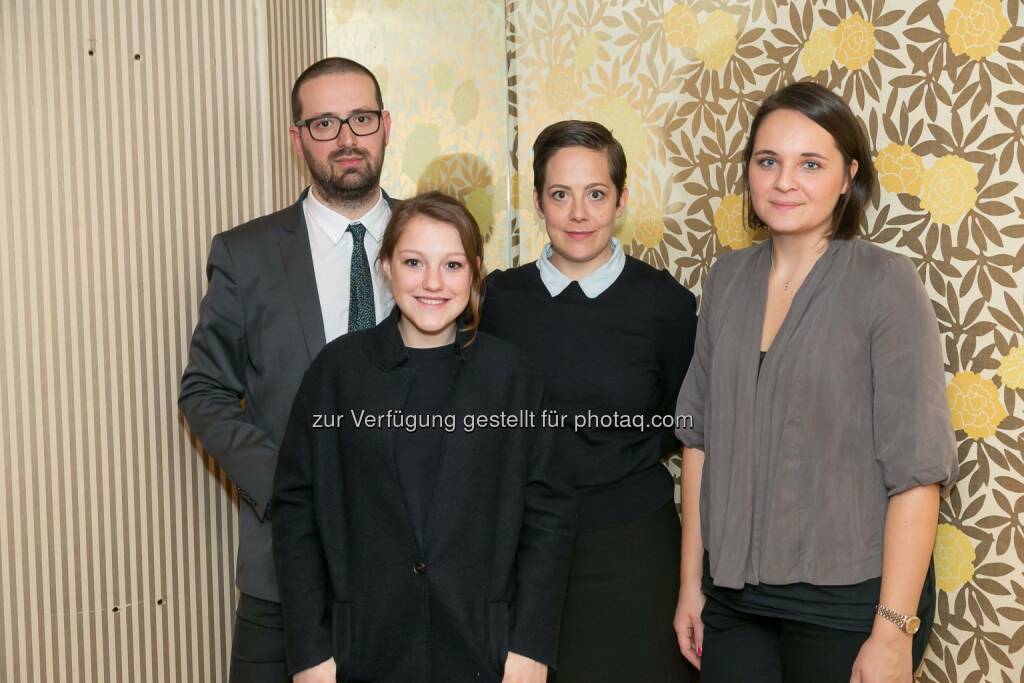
{"points": [[361, 315]]}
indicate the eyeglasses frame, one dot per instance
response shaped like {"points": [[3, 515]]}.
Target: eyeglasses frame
{"points": [[380, 119]]}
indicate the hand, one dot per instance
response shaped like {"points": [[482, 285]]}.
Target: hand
{"points": [[520, 669], [884, 658], [689, 628], [324, 672]]}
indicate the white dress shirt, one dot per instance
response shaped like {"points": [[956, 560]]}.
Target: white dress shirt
{"points": [[331, 244], [592, 285]]}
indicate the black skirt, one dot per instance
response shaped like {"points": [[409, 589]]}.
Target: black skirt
{"points": [[623, 589]]}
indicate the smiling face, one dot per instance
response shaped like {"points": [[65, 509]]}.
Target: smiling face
{"points": [[430, 279], [579, 207], [346, 171], [796, 174]]}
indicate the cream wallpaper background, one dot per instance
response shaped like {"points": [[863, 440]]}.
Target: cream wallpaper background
{"points": [[446, 89], [938, 84]]}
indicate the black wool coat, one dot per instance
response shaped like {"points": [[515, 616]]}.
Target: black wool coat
{"points": [[355, 582]]}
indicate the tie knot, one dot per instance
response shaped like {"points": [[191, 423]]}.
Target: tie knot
{"points": [[357, 230]]}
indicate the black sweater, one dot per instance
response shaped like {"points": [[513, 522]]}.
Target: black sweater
{"points": [[623, 353], [418, 445]]}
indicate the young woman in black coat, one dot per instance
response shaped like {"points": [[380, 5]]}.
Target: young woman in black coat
{"points": [[414, 540]]}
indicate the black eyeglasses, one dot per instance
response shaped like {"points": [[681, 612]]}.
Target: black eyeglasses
{"points": [[328, 127]]}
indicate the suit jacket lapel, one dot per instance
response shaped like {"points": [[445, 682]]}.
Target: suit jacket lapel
{"points": [[298, 266]]}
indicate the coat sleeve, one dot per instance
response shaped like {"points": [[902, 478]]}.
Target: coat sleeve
{"points": [[912, 430], [545, 547], [298, 550], [213, 386]]}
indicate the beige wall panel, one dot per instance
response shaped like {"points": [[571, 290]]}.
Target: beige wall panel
{"points": [[296, 40], [130, 133]]}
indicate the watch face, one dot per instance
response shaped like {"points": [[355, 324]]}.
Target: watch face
{"points": [[913, 623]]}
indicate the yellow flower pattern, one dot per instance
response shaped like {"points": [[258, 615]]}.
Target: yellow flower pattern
{"points": [[681, 25], [819, 51], [465, 102], [624, 121], [949, 189], [1011, 369], [444, 76], [732, 232], [586, 52], [974, 405], [480, 202], [899, 169], [954, 558], [422, 146], [648, 226], [855, 42], [975, 27], [716, 40], [343, 10], [561, 89]]}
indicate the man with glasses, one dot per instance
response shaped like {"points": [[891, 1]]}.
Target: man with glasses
{"points": [[280, 287]]}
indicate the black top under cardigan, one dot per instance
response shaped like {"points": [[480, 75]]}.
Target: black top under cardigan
{"points": [[490, 576]]}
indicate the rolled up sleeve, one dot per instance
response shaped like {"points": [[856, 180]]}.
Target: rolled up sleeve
{"points": [[912, 431]]}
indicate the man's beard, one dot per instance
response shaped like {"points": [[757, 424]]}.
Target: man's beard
{"points": [[348, 187]]}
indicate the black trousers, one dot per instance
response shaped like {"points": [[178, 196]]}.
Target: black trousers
{"points": [[257, 652], [617, 621], [755, 649]]}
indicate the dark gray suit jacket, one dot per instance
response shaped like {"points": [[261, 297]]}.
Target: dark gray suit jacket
{"points": [[259, 328]]}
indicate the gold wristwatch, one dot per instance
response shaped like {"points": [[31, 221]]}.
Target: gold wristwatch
{"points": [[907, 623]]}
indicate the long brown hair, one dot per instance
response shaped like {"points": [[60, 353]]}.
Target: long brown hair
{"points": [[444, 209]]}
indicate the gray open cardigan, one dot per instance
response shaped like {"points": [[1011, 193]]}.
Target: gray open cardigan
{"points": [[849, 409]]}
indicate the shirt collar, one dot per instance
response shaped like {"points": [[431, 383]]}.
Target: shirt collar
{"points": [[592, 285], [334, 224]]}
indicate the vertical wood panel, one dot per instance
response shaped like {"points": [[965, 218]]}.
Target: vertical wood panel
{"points": [[296, 41], [117, 535]]}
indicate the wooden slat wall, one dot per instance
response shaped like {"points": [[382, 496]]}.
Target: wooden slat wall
{"points": [[296, 40], [131, 131]]}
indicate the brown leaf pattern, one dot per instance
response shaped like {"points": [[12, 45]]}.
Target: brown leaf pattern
{"points": [[947, 124], [938, 84]]}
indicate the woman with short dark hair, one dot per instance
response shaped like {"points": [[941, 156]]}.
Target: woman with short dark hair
{"points": [[413, 543], [613, 337], [820, 433]]}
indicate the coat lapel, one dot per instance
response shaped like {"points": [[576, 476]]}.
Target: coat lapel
{"points": [[297, 258]]}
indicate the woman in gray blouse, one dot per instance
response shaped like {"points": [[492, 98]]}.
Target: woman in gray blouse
{"points": [[820, 433]]}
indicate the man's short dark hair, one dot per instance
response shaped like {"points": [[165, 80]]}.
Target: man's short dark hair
{"points": [[331, 65], [586, 134]]}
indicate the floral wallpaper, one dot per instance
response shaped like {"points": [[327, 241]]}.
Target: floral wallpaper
{"points": [[939, 85], [442, 72]]}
